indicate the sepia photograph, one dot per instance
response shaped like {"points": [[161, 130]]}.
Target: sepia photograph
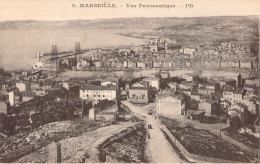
{"points": [[129, 81]]}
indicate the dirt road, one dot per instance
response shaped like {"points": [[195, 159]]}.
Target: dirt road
{"points": [[160, 149]]}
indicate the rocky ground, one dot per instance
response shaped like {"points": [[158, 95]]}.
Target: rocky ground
{"points": [[81, 140], [76, 148], [202, 142], [17, 146], [129, 149]]}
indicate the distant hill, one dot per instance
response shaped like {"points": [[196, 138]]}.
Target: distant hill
{"points": [[127, 23]]}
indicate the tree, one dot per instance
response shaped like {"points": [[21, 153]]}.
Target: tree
{"points": [[9, 124], [235, 122], [2, 120]]}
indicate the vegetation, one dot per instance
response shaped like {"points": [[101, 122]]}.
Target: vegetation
{"points": [[55, 106], [104, 104]]}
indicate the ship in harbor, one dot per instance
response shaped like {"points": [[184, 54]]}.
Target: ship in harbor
{"points": [[58, 61]]}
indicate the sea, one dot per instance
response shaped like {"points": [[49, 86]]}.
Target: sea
{"points": [[18, 48]]}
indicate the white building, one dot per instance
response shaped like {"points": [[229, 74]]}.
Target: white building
{"points": [[169, 106], [164, 75], [187, 51], [153, 82], [14, 97], [22, 87], [228, 93], [92, 114], [125, 64], [234, 96], [98, 93], [187, 77], [98, 64]]}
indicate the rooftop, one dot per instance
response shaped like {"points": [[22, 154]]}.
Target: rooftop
{"points": [[139, 88], [93, 87], [238, 91], [151, 78], [229, 88], [28, 94], [165, 95], [211, 101]]}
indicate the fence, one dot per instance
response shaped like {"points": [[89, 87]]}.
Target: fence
{"points": [[191, 155]]}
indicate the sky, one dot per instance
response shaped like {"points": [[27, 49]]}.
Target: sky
{"points": [[63, 10]]}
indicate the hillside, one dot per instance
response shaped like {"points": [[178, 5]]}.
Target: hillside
{"points": [[124, 23]]}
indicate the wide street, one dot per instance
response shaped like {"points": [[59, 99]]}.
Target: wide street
{"points": [[159, 147]]}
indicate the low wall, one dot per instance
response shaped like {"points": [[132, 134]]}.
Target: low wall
{"points": [[191, 155]]}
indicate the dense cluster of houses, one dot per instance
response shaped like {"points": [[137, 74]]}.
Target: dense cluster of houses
{"points": [[159, 54], [189, 95], [235, 97], [23, 87]]}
